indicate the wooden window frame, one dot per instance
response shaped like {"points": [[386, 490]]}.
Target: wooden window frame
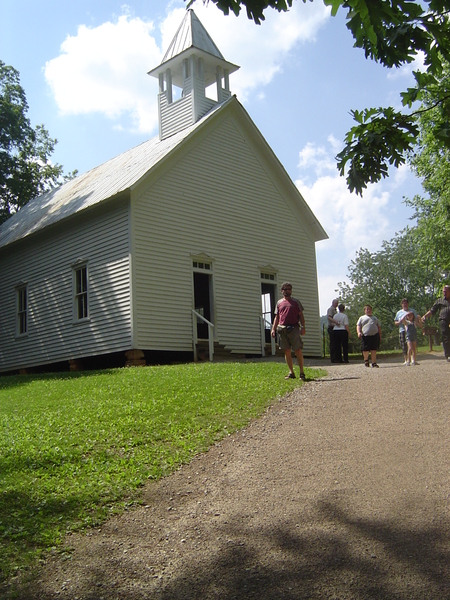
{"points": [[80, 292], [22, 310]]}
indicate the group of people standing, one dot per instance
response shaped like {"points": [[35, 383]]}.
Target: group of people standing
{"points": [[368, 329], [407, 319], [289, 326]]}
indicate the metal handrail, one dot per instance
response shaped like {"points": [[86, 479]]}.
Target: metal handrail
{"points": [[263, 339], [195, 336]]}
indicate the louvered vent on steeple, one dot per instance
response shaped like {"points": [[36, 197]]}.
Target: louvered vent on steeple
{"points": [[192, 63]]}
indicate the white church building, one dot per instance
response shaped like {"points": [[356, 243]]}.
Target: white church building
{"points": [[166, 247]]}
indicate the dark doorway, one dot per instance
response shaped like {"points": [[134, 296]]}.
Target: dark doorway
{"points": [[268, 307], [202, 299]]}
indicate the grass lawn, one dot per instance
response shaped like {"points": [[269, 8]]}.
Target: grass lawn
{"points": [[77, 447]]}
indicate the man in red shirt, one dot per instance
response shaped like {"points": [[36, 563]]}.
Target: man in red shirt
{"points": [[289, 323]]}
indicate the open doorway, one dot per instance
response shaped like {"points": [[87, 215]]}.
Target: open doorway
{"points": [[268, 308], [202, 300]]}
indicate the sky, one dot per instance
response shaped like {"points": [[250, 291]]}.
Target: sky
{"points": [[83, 66]]}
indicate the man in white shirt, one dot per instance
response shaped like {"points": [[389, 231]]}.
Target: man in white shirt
{"points": [[330, 314]]}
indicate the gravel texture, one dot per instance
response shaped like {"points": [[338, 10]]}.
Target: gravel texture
{"points": [[340, 490]]}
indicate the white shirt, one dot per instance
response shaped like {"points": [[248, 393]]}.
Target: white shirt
{"points": [[342, 319]]}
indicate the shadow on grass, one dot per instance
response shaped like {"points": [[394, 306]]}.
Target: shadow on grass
{"points": [[17, 381], [340, 555], [25, 526]]}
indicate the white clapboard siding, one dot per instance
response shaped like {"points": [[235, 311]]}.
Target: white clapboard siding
{"points": [[221, 199], [45, 262], [176, 116], [202, 103]]}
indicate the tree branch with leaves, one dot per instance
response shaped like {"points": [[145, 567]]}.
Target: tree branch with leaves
{"points": [[392, 33]]}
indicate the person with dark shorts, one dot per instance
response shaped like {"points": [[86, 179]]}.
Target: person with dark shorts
{"points": [[443, 307], [289, 324], [368, 329]]}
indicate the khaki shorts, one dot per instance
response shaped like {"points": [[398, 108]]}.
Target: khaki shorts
{"points": [[288, 338]]}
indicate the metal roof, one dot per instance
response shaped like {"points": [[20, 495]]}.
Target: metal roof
{"points": [[191, 33], [105, 181], [190, 39], [122, 174]]}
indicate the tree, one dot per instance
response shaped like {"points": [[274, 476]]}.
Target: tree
{"points": [[383, 278], [25, 170], [431, 162], [392, 33]]}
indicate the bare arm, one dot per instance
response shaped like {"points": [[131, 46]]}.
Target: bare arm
{"points": [[275, 325], [302, 321]]}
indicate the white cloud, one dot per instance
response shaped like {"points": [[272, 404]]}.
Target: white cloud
{"points": [[261, 50], [350, 221], [103, 69]]}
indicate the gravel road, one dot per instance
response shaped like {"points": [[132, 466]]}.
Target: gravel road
{"points": [[340, 490]]}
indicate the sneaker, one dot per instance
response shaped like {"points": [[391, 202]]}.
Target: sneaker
{"points": [[375, 365], [448, 359], [406, 363], [413, 364], [302, 377], [290, 376], [366, 363]]}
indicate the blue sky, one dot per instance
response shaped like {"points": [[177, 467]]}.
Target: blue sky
{"points": [[84, 67]]}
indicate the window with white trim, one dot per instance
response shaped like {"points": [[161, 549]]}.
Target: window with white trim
{"points": [[22, 310], [204, 266], [81, 297], [268, 276]]}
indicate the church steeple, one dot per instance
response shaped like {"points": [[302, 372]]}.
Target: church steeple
{"points": [[192, 63]]}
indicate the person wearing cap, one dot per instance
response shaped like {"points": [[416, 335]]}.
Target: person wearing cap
{"points": [[443, 307], [289, 324]]}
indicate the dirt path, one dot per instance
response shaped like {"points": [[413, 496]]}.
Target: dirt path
{"points": [[341, 490]]}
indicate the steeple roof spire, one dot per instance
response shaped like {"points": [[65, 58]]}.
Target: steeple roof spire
{"points": [[192, 38], [192, 64], [191, 34]]}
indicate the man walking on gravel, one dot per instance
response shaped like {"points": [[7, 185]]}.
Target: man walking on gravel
{"points": [[289, 323], [443, 307]]}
